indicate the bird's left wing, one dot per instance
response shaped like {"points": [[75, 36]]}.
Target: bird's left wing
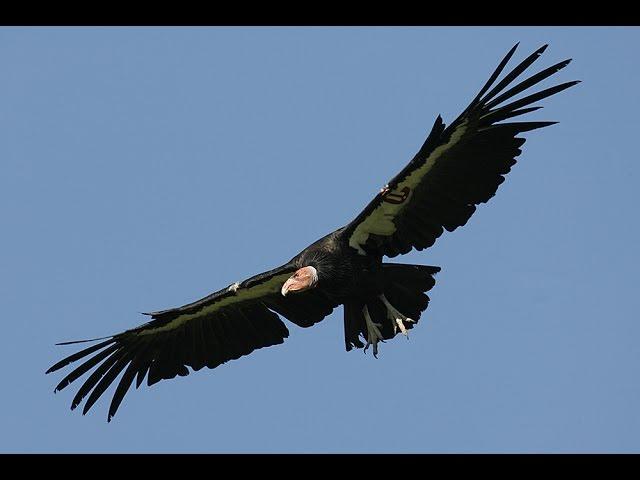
{"points": [[223, 326], [456, 169]]}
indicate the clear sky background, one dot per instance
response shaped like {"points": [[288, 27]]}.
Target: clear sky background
{"points": [[142, 168]]}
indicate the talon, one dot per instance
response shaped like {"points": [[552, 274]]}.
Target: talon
{"points": [[373, 332], [400, 325], [397, 318]]}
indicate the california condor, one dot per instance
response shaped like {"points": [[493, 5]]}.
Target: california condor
{"points": [[457, 168]]}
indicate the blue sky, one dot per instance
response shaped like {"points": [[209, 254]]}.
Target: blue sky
{"points": [[142, 168]]}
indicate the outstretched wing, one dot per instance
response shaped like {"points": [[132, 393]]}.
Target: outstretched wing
{"points": [[223, 326], [456, 169]]}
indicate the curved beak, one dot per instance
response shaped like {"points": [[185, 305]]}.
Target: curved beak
{"points": [[287, 286]]}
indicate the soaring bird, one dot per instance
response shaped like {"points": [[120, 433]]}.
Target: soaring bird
{"points": [[457, 168]]}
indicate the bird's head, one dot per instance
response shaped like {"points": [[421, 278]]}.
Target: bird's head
{"points": [[304, 279]]}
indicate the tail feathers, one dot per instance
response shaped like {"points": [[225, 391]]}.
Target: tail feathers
{"points": [[404, 287], [419, 276], [353, 325]]}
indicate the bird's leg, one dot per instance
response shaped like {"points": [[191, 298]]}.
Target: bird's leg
{"points": [[373, 332], [397, 318]]}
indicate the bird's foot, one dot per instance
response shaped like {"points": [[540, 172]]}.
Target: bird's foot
{"points": [[373, 332], [397, 318]]}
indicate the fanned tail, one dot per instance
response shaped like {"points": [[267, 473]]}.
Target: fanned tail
{"points": [[404, 288]]}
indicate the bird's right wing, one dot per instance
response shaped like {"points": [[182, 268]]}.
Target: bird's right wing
{"points": [[223, 326]]}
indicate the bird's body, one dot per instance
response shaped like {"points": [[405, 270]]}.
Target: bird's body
{"points": [[355, 280], [343, 274], [457, 168]]}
